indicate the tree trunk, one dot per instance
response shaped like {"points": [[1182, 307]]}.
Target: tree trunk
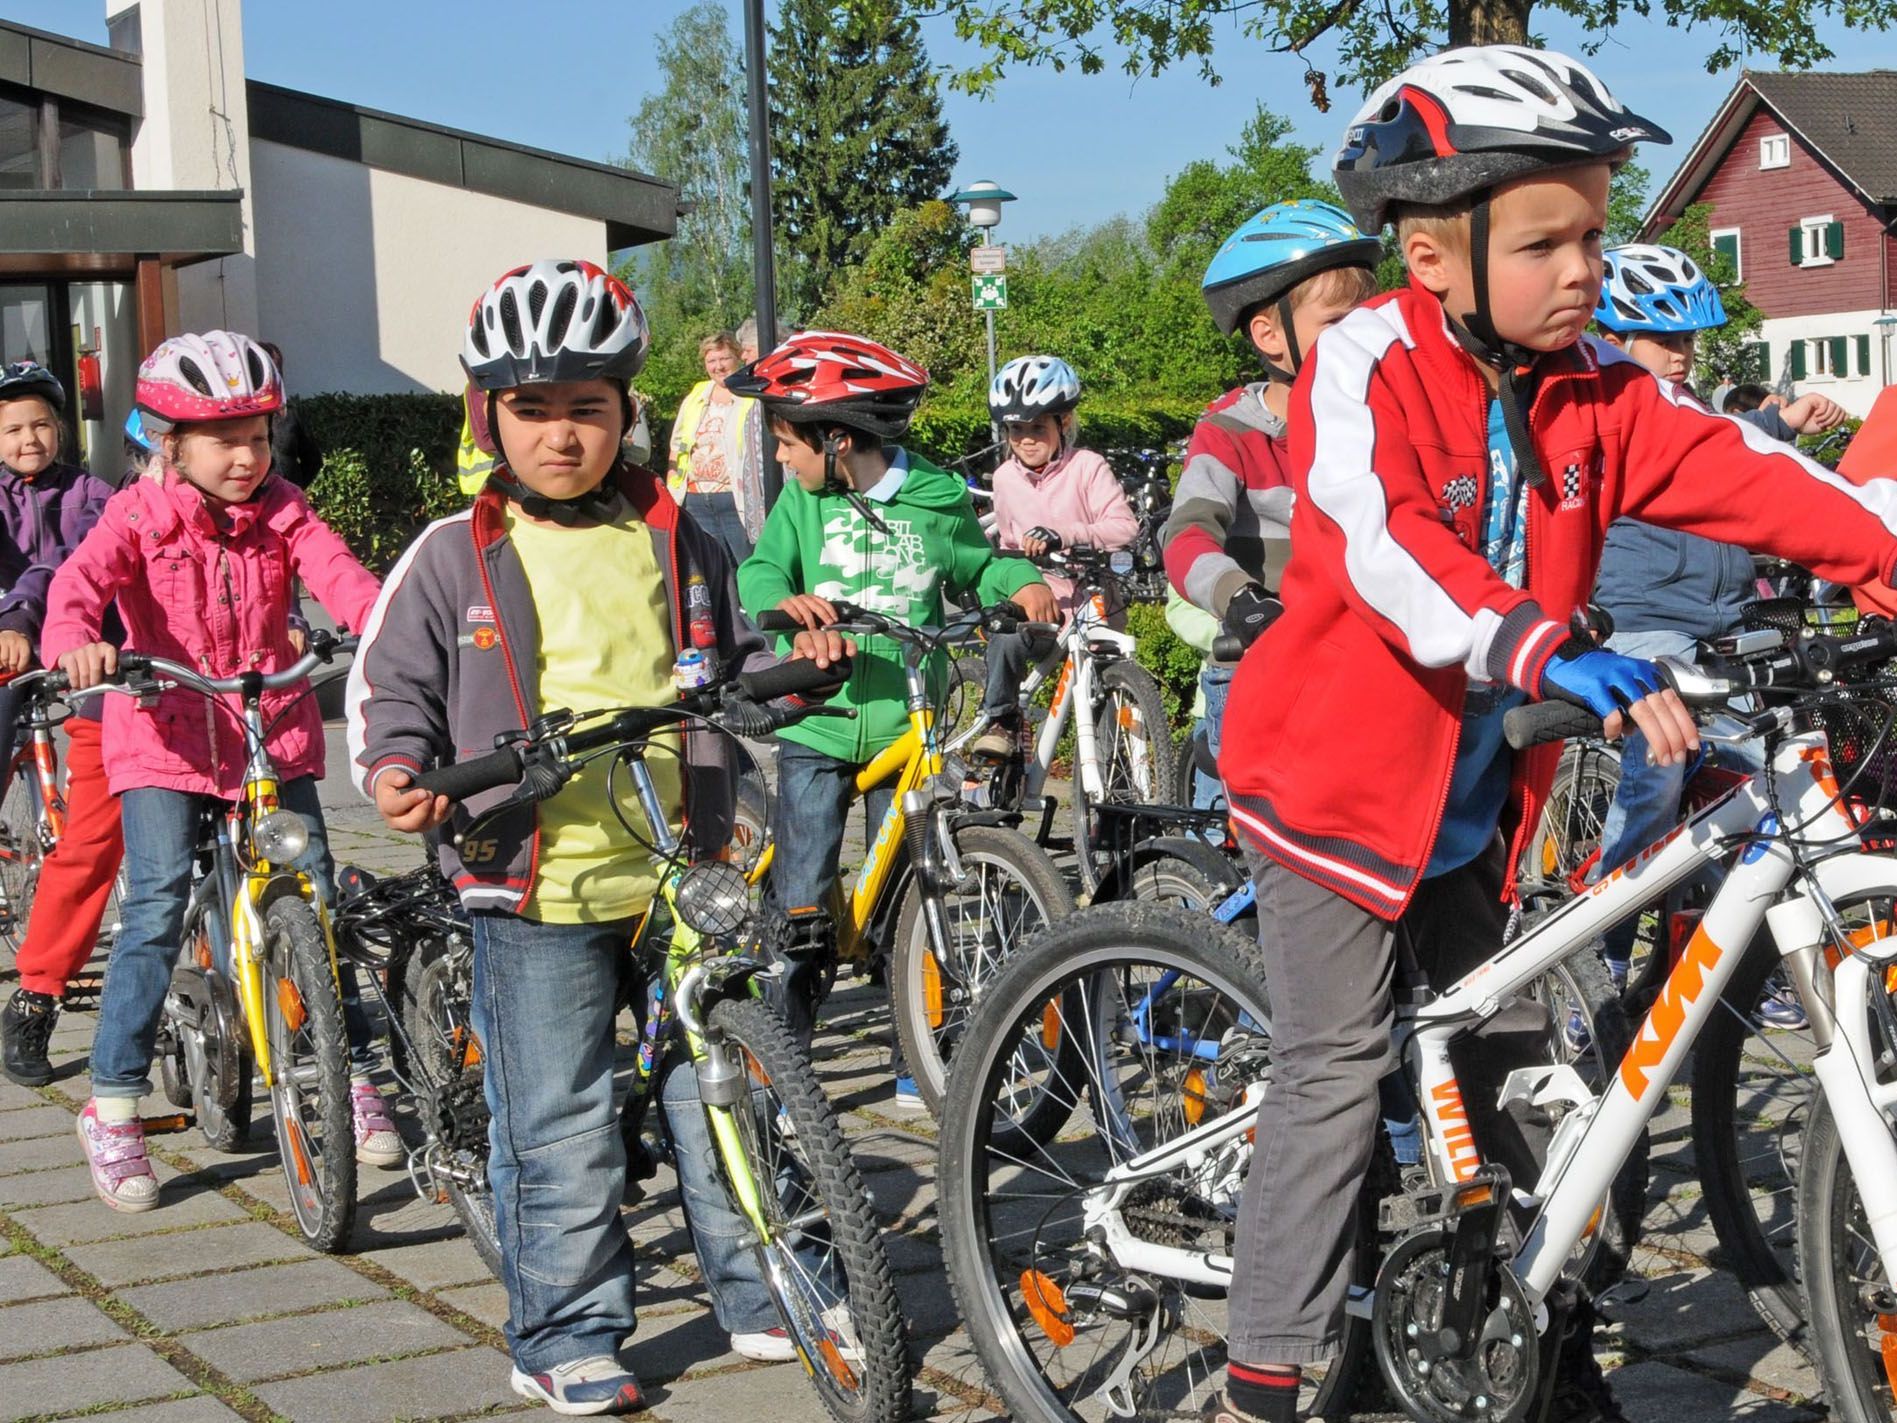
{"points": [[1488, 21]]}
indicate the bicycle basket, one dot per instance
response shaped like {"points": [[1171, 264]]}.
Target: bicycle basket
{"points": [[1863, 742]]}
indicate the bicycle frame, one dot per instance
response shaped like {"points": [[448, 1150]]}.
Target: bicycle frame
{"points": [[1595, 1138]]}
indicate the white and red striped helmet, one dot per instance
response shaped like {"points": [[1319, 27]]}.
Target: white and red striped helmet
{"points": [[216, 375]]}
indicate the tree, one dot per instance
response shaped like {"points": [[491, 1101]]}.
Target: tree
{"points": [[692, 132], [1626, 204], [857, 135], [1371, 41], [1729, 353]]}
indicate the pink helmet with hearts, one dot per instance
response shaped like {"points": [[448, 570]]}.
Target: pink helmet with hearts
{"points": [[218, 375]]}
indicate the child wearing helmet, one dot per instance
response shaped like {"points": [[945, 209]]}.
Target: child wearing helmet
{"points": [[1049, 495], [573, 581], [1665, 589], [201, 561], [864, 521], [1458, 449], [1283, 277], [46, 507]]}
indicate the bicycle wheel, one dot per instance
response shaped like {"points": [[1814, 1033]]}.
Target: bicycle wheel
{"points": [[1009, 890], [1573, 817], [1134, 748], [23, 845], [1192, 880], [750, 826], [822, 1252], [309, 1070], [1752, 1099], [209, 1065], [437, 1015], [1171, 1027], [1850, 1293]]}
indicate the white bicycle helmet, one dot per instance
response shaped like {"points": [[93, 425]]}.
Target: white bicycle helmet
{"points": [[1466, 120], [1030, 386], [218, 375], [554, 321]]}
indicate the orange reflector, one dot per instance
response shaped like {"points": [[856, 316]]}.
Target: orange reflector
{"points": [[1887, 1327], [204, 951], [163, 1126], [1048, 1306], [758, 1074], [301, 1157], [1050, 1026], [291, 1003], [1193, 1093], [1472, 1196], [1129, 718], [834, 1361], [932, 990]]}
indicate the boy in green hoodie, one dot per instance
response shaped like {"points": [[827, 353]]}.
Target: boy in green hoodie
{"points": [[864, 522]]}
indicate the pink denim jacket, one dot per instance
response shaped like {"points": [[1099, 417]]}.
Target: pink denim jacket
{"points": [[216, 601]]}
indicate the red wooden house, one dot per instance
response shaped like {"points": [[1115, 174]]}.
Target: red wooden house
{"points": [[1801, 173]]}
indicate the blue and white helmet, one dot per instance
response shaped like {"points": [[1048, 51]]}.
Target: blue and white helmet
{"points": [[1029, 386], [1650, 288], [1275, 249]]}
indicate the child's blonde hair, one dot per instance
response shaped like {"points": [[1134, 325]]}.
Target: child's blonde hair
{"points": [[1352, 285]]}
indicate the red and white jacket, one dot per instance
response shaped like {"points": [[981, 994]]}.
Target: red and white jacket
{"points": [[1340, 735]]}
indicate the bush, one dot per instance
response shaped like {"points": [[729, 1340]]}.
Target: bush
{"points": [[1173, 663], [388, 466]]}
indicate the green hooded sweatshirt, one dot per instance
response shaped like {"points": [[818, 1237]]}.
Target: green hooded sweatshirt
{"points": [[818, 543]]}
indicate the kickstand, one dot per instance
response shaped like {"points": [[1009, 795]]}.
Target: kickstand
{"points": [[1560, 1303]]}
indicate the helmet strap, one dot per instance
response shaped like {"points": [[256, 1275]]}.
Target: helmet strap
{"points": [[1476, 333], [1287, 373], [834, 481]]}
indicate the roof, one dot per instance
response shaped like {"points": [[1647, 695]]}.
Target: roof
{"points": [[72, 69], [636, 207], [1848, 119]]}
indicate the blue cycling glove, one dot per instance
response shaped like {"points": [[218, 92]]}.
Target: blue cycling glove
{"points": [[1604, 682]]}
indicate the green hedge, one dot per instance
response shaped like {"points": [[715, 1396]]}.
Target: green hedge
{"points": [[388, 466]]}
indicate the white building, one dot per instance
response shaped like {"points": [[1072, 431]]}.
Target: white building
{"points": [[147, 188]]}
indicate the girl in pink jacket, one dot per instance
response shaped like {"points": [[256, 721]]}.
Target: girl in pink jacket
{"points": [[202, 562], [1049, 495]]}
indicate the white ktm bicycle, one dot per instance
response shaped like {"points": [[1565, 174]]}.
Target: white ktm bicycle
{"points": [[1092, 1264]]}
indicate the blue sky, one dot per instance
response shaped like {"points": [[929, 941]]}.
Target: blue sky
{"points": [[566, 74]]}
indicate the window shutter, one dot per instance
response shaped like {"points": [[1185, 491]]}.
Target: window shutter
{"points": [[1838, 366], [1798, 246], [1834, 241], [1727, 246], [1763, 372], [1863, 355], [1798, 360]]}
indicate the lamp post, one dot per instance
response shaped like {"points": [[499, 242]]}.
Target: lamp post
{"points": [[983, 201], [1884, 324], [763, 267]]}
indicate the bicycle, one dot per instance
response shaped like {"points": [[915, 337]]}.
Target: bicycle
{"points": [[958, 885], [1123, 751], [1120, 1238], [1148, 487], [780, 1149]]}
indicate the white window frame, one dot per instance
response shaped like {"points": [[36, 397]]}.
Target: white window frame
{"points": [[1812, 239], [1738, 249], [1775, 151], [1818, 359]]}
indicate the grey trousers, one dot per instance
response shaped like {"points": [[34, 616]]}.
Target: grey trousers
{"points": [[1329, 966]]}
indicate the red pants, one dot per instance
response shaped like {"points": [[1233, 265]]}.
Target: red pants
{"points": [[76, 879]]}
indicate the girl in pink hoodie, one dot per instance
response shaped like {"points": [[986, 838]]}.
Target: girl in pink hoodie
{"points": [[1049, 495], [202, 561]]}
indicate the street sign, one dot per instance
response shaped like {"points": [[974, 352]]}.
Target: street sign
{"points": [[991, 292], [988, 259]]}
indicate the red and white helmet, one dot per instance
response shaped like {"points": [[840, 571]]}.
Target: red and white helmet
{"points": [[834, 378], [554, 321], [216, 375]]}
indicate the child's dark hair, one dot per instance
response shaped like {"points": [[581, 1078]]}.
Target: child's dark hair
{"points": [[812, 435], [1743, 398]]}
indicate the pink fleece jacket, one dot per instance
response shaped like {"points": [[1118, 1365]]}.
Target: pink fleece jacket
{"points": [[217, 600], [1077, 495]]}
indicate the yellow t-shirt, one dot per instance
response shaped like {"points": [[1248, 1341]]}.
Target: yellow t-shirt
{"points": [[605, 641]]}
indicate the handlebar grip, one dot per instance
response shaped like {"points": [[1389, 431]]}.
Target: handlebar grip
{"points": [[1227, 648], [467, 778], [1539, 722], [790, 678], [775, 620]]}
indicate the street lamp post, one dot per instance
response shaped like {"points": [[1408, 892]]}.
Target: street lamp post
{"points": [[983, 201], [763, 266], [1884, 324]]}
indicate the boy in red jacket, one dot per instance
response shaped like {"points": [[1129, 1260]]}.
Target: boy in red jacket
{"points": [[1457, 450]]}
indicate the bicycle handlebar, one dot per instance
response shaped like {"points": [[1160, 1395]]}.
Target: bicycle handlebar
{"points": [[998, 617], [136, 670]]}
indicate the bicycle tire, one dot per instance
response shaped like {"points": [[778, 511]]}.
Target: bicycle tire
{"points": [[309, 1069], [436, 1014], [814, 1159], [226, 1067], [1573, 816], [1199, 883], [978, 1241], [1731, 1060], [22, 849], [927, 1023], [1130, 718], [1837, 1260]]}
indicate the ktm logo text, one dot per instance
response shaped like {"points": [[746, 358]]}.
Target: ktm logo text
{"points": [[1683, 987], [1458, 1140]]}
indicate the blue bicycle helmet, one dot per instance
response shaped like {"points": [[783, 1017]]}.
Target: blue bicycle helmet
{"points": [[31, 378], [1273, 251], [135, 430], [1649, 288]]}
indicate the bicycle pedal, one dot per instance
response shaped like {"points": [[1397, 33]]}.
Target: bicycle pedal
{"points": [[169, 1125]]}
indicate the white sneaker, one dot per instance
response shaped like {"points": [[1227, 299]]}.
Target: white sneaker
{"points": [[600, 1384], [765, 1346]]}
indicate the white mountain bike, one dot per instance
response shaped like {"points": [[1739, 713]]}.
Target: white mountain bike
{"points": [[1093, 1269]]}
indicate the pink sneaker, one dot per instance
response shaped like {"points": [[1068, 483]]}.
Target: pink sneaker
{"points": [[121, 1172], [378, 1143]]}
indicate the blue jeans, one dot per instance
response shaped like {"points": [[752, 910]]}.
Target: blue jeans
{"points": [[1215, 683], [161, 836], [717, 515]]}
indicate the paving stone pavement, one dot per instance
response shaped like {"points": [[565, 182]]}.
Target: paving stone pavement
{"points": [[210, 1308]]}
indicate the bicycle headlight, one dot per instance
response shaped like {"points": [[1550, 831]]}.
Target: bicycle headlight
{"points": [[714, 898], [1120, 561], [281, 837]]}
